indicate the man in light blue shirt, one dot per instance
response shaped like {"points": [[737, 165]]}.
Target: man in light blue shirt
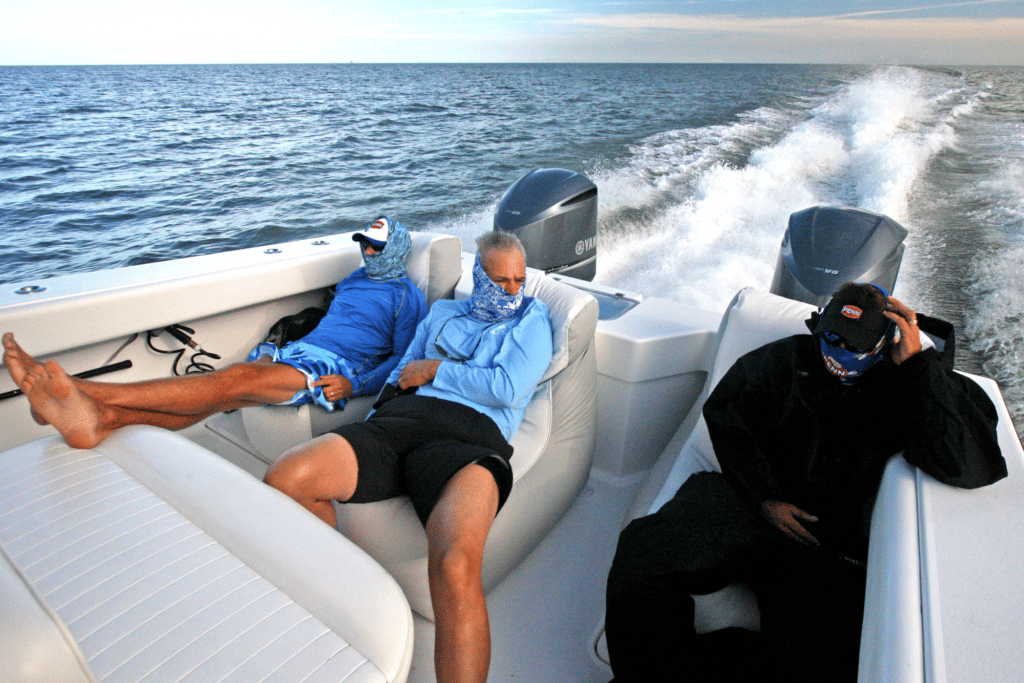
{"points": [[440, 434]]}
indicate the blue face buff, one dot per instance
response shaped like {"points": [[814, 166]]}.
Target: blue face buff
{"points": [[489, 303], [390, 263], [847, 364]]}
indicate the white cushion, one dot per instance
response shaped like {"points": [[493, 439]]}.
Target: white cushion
{"points": [[156, 556], [572, 331]]}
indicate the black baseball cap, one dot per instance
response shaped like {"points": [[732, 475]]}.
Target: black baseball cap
{"points": [[861, 326]]}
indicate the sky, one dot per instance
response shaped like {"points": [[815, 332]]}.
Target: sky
{"points": [[52, 32]]}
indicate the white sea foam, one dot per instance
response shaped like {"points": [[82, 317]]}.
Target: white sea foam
{"points": [[996, 321], [696, 214], [469, 226], [714, 221], [997, 325]]}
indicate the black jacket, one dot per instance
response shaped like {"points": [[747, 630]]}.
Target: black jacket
{"points": [[784, 428]]}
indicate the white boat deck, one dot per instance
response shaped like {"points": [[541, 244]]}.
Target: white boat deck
{"points": [[962, 610]]}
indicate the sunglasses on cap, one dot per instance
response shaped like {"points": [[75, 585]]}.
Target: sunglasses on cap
{"points": [[833, 339]]}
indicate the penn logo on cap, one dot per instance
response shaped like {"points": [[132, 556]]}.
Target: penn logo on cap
{"points": [[852, 312]]}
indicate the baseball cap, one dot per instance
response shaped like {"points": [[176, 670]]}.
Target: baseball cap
{"points": [[861, 327], [375, 234]]}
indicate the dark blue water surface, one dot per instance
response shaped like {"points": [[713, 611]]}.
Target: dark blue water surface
{"points": [[698, 167], [108, 166]]}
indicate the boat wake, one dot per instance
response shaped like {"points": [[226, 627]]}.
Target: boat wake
{"points": [[996, 326], [696, 214]]}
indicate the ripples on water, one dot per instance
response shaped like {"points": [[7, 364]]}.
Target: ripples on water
{"points": [[125, 165], [698, 168]]}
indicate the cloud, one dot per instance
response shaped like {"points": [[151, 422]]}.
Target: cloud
{"points": [[835, 39], [147, 31], [923, 8], [774, 25], [485, 12]]}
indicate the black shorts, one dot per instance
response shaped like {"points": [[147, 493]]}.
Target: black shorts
{"points": [[414, 444]]}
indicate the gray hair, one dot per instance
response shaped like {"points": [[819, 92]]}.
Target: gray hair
{"points": [[498, 240]]}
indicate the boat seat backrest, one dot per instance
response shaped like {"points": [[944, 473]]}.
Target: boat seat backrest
{"points": [[553, 451], [435, 266], [753, 319]]}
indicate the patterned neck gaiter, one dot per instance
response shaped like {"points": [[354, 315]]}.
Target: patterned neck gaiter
{"points": [[389, 263], [845, 364], [489, 303]]}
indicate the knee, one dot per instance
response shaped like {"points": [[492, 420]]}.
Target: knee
{"points": [[287, 475], [237, 380], [457, 569], [298, 471]]}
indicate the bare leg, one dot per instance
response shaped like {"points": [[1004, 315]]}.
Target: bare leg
{"points": [[456, 532], [316, 473], [83, 422], [131, 416], [326, 469], [237, 386]]}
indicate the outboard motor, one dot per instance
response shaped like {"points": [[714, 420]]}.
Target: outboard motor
{"points": [[553, 212], [825, 246]]}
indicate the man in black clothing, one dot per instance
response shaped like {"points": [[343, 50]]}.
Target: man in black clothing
{"points": [[802, 428]]}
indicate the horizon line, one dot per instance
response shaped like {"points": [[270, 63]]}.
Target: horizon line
{"points": [[519, 63]]}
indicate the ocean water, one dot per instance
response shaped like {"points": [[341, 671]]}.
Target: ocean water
{"points": [[698, 168]]}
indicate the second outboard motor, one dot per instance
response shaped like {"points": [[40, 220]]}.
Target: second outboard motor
{"points": [[554, 214], [826, 246]]}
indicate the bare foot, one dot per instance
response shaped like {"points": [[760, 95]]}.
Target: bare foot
{"points": [[57, 400], [19, 364]]}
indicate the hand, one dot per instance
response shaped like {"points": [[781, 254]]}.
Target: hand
{"points": [[417, 373], [335, 387], [786, 518], [910, 335]]}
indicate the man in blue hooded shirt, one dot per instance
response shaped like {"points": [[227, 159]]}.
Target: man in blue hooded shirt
{"points": [[351, 352], [370, 323], [440, 434]]}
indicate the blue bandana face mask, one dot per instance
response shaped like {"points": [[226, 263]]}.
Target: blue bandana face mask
{"points": [[389, 263], [489, 303], [847, 364]]}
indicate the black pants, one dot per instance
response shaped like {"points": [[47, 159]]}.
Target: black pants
{"points": [[705, 538]]}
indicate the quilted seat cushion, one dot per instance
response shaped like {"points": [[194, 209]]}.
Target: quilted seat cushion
{"points": [[158, 560]]}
